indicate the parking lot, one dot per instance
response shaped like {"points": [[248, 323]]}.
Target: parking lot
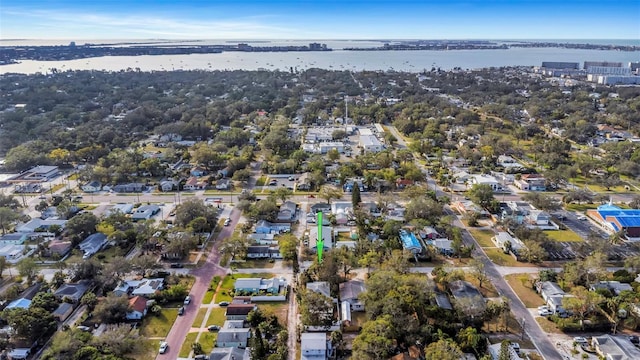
{"points": [[275, 181]]}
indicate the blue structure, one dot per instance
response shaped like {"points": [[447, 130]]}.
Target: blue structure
{"points": [[410, 242], [616, 219]]}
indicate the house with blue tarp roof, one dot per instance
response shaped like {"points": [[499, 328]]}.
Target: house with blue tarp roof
{"points": [[410, 242], [614, 219]]}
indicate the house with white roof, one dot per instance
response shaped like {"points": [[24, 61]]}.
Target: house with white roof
{"points": [[314, 346]]}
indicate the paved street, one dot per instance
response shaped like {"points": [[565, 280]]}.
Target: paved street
{"points": [[203, 276]]}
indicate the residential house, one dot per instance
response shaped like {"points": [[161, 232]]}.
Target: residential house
{"points": [[137, 308], [239, 311], [63, 311], [263, 239], [486, 180], [350, 293], [265, 227], [320, 287], [129, 188], [403, 183], [92, 186], [198, 171], [72, 291], [145, 212], [343, 211], [428, 233], [92, 244], [326, 236], [229, 353], [613, 347], [413, 353], [193, 183], [256, 285], [123, 208], [13, 238], [263, 252], [410, 242], [465, 293], [233, 334], [287, 211], [616, 287], [142, 287], [223, 184], [19, 303], [531, 182], [304, 182], [36, 224], [552, 294], [508, 243], [324, 207], [168, 185], [14, 253], [314, 346], [443, 246], [539, 218]]}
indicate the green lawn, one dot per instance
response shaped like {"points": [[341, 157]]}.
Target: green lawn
{"points": [[261, 181], [208, 296], [563, 235], [186, 345], [500, 258], [254, 264], [216, 317], [580, 207], [197, 322], [158, 325], [208, 340], [521, 284], [483, 237], [229, 281], [149, 350]]}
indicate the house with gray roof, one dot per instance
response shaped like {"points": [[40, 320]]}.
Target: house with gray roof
{"points": [[92, 244], [233, 334], [320, 287], [145, 212], [314, 346], [287, 211], [255, 285], [72, 291], [552, 294], [613, 347], [229, 353], [350, 292], [465, 293], [616, 287]]}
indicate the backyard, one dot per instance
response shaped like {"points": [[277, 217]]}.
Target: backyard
{"points": [[522, 286]]}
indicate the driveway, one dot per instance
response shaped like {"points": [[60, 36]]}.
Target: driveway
{"points": [[203, 276]]}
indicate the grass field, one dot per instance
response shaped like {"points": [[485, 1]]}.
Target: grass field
{"points": [[149, 350], [253, 264], [158, 325], [563, 235], [207, 340], [548, 326], [279, 308], [216, 317], [197, 322], [483, 237], [521, 284], [208, 297], [580, 207], [186, 345], [500, 258]]}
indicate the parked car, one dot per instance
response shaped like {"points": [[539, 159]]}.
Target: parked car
{"points": [[187, 300], [580, 340], [223, 303], [177, 265], [84, 328], [545, 312], [227, 222], [291, 178], [213, 328], [164, 346], [634, 339], [181, 311]]}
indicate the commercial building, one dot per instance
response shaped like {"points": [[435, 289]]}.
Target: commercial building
{"points": [[614, 219], [370, 143]]}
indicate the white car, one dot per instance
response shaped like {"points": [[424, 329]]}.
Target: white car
{"points": [[227, 222], [164, 346], [187, 300], [545, 312], [580, 340]]}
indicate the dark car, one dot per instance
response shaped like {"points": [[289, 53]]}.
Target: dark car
{"points": [[181, 310], [213, 328], [177, 265], [223, 303]]}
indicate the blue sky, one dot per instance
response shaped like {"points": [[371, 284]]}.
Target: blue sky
{"points": [[320, 19]]}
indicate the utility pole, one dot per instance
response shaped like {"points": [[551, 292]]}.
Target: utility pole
{"points": [[523, 325]]}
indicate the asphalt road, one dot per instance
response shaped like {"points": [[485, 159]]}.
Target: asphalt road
{"points": [[203, 276]]}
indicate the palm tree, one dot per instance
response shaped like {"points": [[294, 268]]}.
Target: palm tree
{"points": [[617, 237]]}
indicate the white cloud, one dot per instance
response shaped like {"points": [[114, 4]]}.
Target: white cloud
{"points": [[69, 24]]}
